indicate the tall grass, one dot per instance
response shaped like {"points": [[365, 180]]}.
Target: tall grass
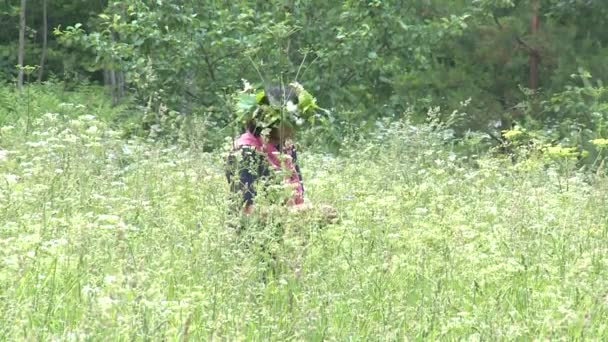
{"points": [[109, 239]]}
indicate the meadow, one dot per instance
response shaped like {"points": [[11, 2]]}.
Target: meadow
{"points": [[108, 238]]}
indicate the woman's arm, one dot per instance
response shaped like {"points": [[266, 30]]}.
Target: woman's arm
{"points": [[248, 174], [294, 158], [242, 173]]}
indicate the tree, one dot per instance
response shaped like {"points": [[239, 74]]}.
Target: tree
{"points": [[44, 40], [365, 59], [534, 53], [21, 50]]}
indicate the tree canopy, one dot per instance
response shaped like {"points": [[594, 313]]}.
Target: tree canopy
{"points": [[499, 62]]}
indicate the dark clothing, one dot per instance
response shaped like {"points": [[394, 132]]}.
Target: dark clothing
{"points": [[250, 165]]}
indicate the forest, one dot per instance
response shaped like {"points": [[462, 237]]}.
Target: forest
{"points": [[451, 156]]}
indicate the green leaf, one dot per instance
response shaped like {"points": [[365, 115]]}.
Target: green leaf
{"points": [[245, 103], [259, 96], [306, 102]]}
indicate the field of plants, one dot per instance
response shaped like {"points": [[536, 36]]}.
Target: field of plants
{"points": [[109, 238]]}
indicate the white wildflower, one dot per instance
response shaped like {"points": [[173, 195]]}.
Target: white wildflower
{"points": [[297, 86], [36, 143], [111, 219], [92, 130], [109, 279], [291, 107], [421, 211], [246, 85], [76, 123], [11, 179], [6, 129], [87, 117], [125, 149], [50, 116], [105, 302]]}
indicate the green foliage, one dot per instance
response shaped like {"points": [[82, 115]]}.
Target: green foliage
{"points": [[171, 52], [61, 61], [571, 120], [363, 60], [114, 221], [248, 106], [38, 99], [104, 238]]}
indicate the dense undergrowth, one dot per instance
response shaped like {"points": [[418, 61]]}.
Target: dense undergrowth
{"points": [[103, 237]]}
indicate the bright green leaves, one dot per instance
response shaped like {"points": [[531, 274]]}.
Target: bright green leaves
{"points": [[245, 104], [514, 134], [306, 102], [259, 96], [600, 143], [267, 115], [248, 105], [556, 152]]}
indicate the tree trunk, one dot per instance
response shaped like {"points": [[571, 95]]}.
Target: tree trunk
{"points": [[186, 106], [44, 40], [113, 87], [106, 78], [21, 50], [534, 58]]}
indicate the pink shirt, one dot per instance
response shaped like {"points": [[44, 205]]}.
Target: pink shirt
{"points": [[274, 158]]}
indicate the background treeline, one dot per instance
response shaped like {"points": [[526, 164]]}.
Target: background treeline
{"points": [[535, 66]]}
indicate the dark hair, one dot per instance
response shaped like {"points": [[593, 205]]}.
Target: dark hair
{"points": [[253, 128], [275, 95], [279, 95]]}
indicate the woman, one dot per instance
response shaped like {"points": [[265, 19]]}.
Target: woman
{"points": [[263, 155]]}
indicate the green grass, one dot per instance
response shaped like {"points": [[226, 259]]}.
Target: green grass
{"points": [[107, 239], [50, 97]]}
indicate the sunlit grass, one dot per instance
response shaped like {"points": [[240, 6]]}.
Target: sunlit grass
{"points": [[103, 238]]}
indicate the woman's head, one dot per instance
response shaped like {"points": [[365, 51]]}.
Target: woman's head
{"points": [[279, 99], [277, 108], [280, 96]]}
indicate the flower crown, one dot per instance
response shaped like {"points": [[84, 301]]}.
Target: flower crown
{"points": [[267, 110]]}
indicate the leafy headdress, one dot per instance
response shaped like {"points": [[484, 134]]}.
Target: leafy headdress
{"points": [[292, 105]]}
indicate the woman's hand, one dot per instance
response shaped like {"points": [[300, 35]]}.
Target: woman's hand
{"points": [[301, 207], [325, 213], [329, 213]]}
